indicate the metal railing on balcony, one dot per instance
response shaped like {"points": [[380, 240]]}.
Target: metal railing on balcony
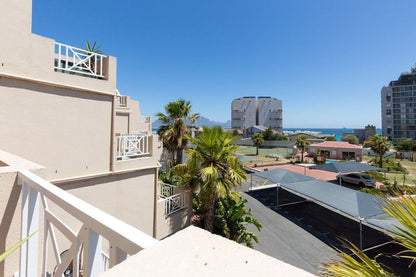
{"points": [[175, 202], [133, 145], [86, 242], [77, 60], [147, 119], [121, 101]]}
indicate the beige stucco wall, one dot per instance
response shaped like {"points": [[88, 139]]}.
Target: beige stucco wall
{"points": [[129, 197], [27, 55], [167, 225], [67, 131], [11, 208]]}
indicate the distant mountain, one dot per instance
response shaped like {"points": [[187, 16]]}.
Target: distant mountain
{"points": [[202, 121]]}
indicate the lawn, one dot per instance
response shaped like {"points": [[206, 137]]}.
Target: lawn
{"points": [[263, 152]]}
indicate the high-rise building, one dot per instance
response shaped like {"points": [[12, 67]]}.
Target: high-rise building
{"points": [[246, 112], [398, 107], [269, 113], [243, 112]]}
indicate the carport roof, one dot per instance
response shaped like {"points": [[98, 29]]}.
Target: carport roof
{"points": [[348, 202], [345, 167]]}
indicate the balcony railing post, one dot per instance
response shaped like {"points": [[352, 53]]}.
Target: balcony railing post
{"points": [[116, 255], [30, 225], [92, 254]]}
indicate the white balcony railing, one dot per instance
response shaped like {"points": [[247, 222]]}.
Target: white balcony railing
{"points": [[77, 60], [175, 202], [165, 190], [147, 119], [86, 242], [121, 101], [133, 145]]}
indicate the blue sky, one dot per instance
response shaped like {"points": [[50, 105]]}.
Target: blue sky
{"points": [[327, 60]]}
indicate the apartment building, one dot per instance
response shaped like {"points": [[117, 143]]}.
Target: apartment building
{"points": [[363, 134], [62, 116], [243, 112], [247, 112], [269, 113], [398, 107]]}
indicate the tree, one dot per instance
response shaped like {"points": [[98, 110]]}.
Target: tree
{"points": [[301, 144], [406, 145], [379, 145], [210, 171], [174, 130], [268, 134], [350, 138], [403, 209], [231, 218], [331, 139], [235, 133], [257, 141]]}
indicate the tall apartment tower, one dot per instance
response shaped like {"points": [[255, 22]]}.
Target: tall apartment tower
{"points": [[398, 107], [246, 112], [243, 112], [269, 113]]}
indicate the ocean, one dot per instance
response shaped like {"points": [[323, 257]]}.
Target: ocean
{"points": [[336, 131]]}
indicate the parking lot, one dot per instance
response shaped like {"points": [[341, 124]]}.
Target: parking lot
{"points": [[323, 224]]}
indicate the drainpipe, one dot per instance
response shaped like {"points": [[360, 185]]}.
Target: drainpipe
{"points": [[155, 197], [113, 116]]}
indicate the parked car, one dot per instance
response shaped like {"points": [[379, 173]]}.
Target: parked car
{"points": [[358, 179]]}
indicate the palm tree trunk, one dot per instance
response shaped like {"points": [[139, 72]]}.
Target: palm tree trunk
{"points": [[302, 149], [179, 156], [257, 150], [381, 160], [209, 213]]}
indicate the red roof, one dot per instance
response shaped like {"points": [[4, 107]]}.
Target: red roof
{"points": [[336, 144]]}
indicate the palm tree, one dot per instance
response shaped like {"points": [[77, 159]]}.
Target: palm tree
{"points": [[93, 48], [210, 171], [403, 209], [380, 145], [174, 130], [231, 218], [301, 143], [257, 141]]}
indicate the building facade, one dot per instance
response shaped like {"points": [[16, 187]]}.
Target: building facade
{"points": [[398, 107], [269, 113], [247, 112], [60, 109], [363, 134], [243, 112]]}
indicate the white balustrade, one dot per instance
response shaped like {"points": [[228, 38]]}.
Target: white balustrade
{"points": [[147, 119], [165, 190], [122, 101], [96, 224], [77, 60], [175, 202], [133, 145]]}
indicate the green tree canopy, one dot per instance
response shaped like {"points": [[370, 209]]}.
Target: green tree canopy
{"points": [[407, 144], [350, 138], [331, 139], [380, 145], [211, 171], [174, 130], [268, 134], [257, 141], [231, 219]]}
